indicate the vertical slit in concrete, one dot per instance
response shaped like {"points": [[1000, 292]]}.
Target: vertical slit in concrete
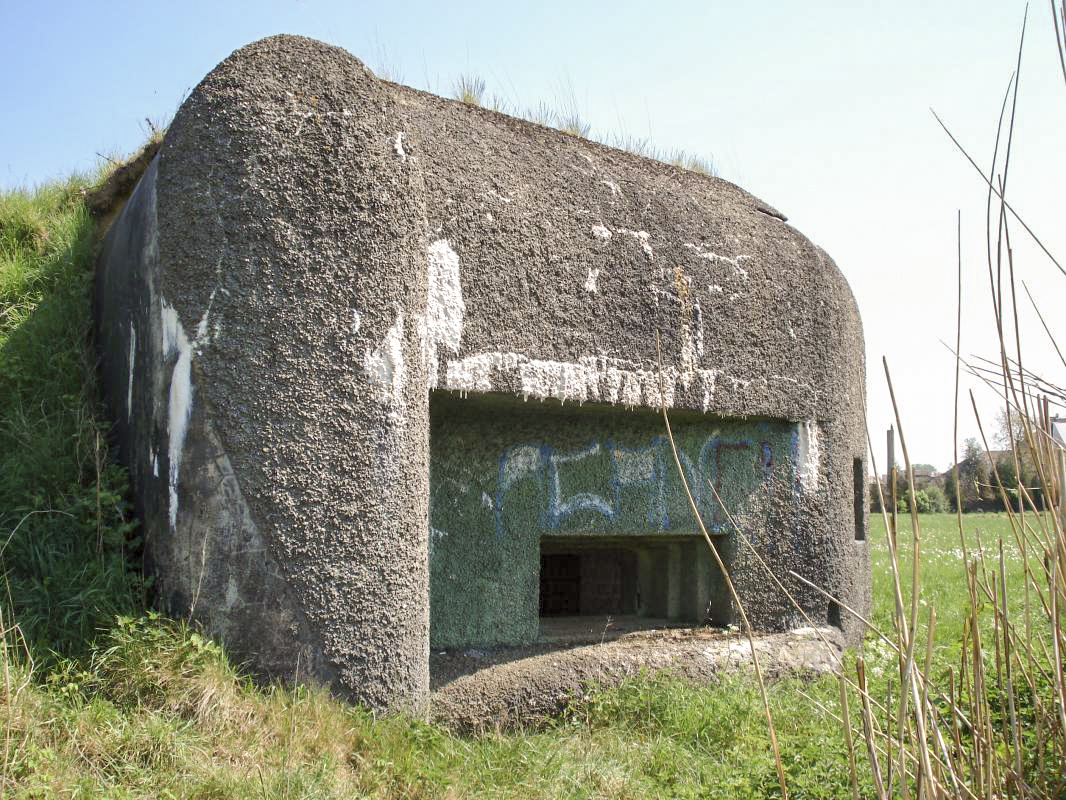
{"points": [[859, 490], [833, 615]]}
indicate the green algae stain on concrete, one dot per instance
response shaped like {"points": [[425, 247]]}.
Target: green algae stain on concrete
{"points": [[504, 474]]}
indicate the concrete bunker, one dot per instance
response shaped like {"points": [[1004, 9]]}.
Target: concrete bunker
{"points": [[373, 356]]}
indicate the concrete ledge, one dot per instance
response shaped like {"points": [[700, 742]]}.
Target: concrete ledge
{"points": [[527, 691]]}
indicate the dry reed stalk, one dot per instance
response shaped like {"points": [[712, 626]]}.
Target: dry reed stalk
{"points": [[1036, 239], [882, 750], [1008, 671], [868, 729], [848, 742], [955, 425], [907, 677]]}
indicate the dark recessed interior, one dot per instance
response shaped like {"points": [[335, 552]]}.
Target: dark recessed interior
{"points": [[833, 615], [589, 581], [629, 579]]}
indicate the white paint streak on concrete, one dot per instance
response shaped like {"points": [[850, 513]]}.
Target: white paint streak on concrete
{"points": [[808, 455], [743, 384], [559, 379], [445, 308], [631, 390], [691, 319], [791, 332], [590, 281], [707, 255], [591, 378], [476, 373], [699, 327], [385, 369], [357, 322], [642, 237], [201, 326], [709, 376], [180, 401], [232, 594], [132, 363], [687, 356], [398, 146], [600, 232]]}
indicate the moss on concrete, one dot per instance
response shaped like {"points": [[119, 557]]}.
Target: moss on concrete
{"points": [[505, 473]]}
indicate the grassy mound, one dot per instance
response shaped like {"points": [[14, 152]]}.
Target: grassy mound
{"points": [[67, 543]]}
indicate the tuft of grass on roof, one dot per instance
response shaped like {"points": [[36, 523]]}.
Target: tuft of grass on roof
{"points": [[691, 162], [469, 89], [642, 146], [566, 117]]}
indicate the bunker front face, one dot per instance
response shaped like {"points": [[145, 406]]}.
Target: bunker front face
{"points": [[384, 373]]}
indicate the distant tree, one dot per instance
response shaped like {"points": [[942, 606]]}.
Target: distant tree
{"points": [[1008, 473], [926, 501], [875, 496], [1010, 435], [975, 477], [950, 484], [1010, 430], [938, 502]]}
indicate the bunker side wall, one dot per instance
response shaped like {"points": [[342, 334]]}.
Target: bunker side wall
{"points": [[292, 247], [208, 556]]}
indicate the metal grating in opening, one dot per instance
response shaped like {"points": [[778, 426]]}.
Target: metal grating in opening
{"points": [[589, 581]]}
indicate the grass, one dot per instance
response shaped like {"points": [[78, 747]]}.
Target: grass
{"points": [[157, 711], [66, 538], [469, 89], [565, 115]]}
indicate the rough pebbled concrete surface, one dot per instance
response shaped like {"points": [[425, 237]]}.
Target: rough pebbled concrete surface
{"points": [[316, 250], [527, 691]]}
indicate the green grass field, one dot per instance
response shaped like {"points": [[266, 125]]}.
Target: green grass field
{"points": [[102, 699], [158, 712]]}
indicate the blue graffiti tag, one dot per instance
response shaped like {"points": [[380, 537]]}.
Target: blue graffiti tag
{"points": [[642, 469]]}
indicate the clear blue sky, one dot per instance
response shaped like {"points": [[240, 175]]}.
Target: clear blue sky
{"points": [[820, 108]]}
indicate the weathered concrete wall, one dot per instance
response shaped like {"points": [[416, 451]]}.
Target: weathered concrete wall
{"points": [[505, 474], [317, 250]]}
